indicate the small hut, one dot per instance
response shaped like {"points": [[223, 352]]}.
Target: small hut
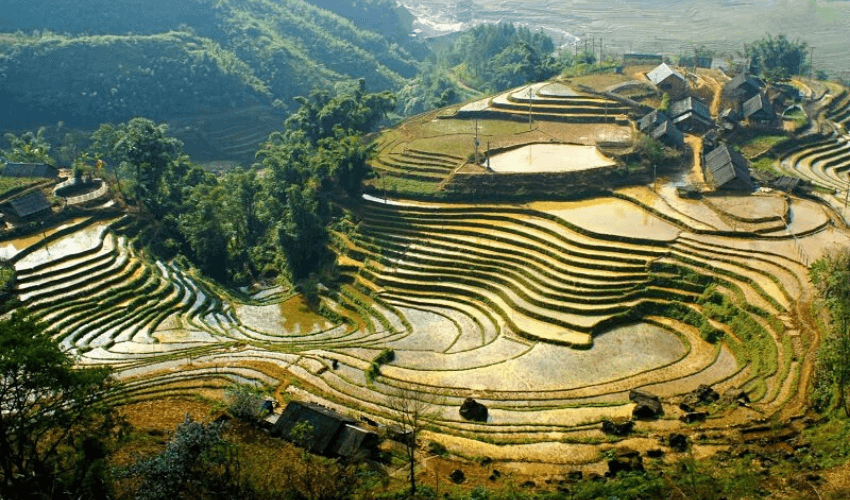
{"points": [[331, 434], [29, 170], [666, 79], [725, 168], [30, 204]]}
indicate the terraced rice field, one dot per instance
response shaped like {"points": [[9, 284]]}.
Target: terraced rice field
{"points": [[548, 313], [423, 154], [823, 158]]}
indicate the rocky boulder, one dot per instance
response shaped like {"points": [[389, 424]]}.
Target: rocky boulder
{"points": [[694, 416], [678, 442], [457, 476], [703, 395], [647, 406], [625, 460], [473, 410], [617, 428]]}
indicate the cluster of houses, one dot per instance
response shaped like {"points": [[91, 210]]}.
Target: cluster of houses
{"points": [[748, 105]]}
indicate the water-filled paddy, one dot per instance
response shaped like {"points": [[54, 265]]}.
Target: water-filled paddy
{"points": [[613, 217], [548, 158]]}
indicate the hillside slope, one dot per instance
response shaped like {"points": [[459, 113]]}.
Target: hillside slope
{"points": [[119, 59]]}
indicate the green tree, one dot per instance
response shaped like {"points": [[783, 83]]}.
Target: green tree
{"points": [[29, 147], [831, 277], [143, 151], [776, 58], [197, 463], [53, 417]]}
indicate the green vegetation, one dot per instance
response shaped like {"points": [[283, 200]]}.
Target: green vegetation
{"points": [[386, 356], [831, 276], [776, 58], [54, 422], [244, 225], [29, 147]]}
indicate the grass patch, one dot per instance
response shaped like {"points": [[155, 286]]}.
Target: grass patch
{"points": [[766, 165], [760, 143], [7, 184]]}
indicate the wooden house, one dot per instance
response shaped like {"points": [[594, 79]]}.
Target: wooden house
{"points": [[30, 204], [668, 80], [725, 168], [668, 134], [691, 115], [742, 87], [759, 111], [29, 170], [330, 433], [651, 120]]}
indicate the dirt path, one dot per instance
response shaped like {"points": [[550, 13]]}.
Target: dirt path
{"points": [[695, 175]]}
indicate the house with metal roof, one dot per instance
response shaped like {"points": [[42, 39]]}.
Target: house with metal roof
{"points": [[30, 204], [758, 110], [667, 79], [29, 170], [725, 168], [330, 433], [691, 115]]}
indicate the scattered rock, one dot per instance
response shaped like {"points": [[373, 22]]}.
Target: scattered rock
{"points": [[694, 416], [617, 428], [703, 395], [495, 475], [655, 453], [457, 476], [528, 484], [647, 406], [484, 460], [685, 407], [735, 396], [575, 475], [473, 410], [625, 460], [678, 442]]}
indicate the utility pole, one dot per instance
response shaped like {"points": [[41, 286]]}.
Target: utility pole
{"points": [[488, 155], [600, 49], [477, 142], [529, 108], [812, 65]]}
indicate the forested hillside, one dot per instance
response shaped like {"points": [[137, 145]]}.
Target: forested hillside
{"points": [[93, 62]]}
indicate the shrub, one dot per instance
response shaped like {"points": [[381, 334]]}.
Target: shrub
{"points": [[245, 402]]}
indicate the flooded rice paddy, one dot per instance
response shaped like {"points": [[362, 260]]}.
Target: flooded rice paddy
{"points": [[612, 216], [549, 158]]}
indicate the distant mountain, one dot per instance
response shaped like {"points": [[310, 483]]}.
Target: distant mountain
{"points": [[97, 61]]}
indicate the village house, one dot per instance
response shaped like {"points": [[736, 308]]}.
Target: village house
{"points": [[657, 125], [758, 111], [668, 80], [742, 87], [691, 115], [331, 434], [29, 170], [30, 204], [725, 168]]}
